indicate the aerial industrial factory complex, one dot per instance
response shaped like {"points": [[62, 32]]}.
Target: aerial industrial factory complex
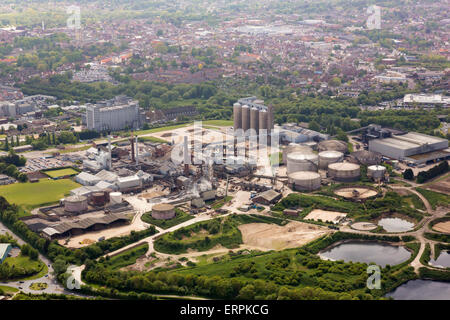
{"points": [[119, 181]]}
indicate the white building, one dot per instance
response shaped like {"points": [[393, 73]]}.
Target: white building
{"points": [[116, 114]]}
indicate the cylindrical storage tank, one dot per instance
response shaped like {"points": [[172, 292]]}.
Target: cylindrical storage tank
{"points": [[304, 180], [328, 157], [254, 119], [376, 172], [163, 211], [294, 147], [310, 144], [335, 145], [115, 197], [262, 120], [237, 116], [300, 161], [75, 204], [245, 117], [98, 199], [344, 171]]}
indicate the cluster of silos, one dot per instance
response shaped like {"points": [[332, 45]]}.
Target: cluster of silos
{"points": [[328, 157], [252, 117], [344, 171], [376, 172]]}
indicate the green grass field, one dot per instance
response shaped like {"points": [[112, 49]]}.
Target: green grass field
{"points": [[152, 139], [127, 258], [61, 172], [32, 195]]}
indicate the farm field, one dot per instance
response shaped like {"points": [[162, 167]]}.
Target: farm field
{"points": [[61, 172], [32, 195]]}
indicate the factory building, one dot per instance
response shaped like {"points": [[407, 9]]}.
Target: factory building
{"points": [[415, 147], [116, 114]]}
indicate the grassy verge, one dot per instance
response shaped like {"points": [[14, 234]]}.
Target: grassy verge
{"points": [[126, 258], [435, 198]]}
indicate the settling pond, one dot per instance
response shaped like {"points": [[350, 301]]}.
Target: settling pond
{"points": [[422, 290], [358, 251], [443, 261], [396, 225]]}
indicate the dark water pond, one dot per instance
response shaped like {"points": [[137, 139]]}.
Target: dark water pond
{"points": [[443, 261], [381, 254], [422, 290]]}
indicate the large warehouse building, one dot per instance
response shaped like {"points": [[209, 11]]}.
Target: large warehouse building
{"points": [[413, 146], [115, 114]]}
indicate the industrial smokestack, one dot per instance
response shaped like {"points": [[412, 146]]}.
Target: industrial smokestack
{"points": [[137, 151], [132, 148], [110, 153], [186, 161]]}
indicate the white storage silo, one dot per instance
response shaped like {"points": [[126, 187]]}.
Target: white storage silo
{"points": [[262, 120], [304, 180], [254, 119], [376, 172], [328, 157], [115, 197], [237, 116], [245, 117], [300, 161]]}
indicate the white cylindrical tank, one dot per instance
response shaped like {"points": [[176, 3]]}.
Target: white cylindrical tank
{"points": [[163, 211], [344, 171], [245, 117], [262, 120], [237, 116], [300, 161], [376, 172], [335, 145], [76, 204], [328, 157], [254, 119], [115, 197], [294, 147], [304, 180], [310, 144]]}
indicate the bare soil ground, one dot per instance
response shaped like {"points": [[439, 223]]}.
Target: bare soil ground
{"points": [[363, 192], [273, 237], [330, 216], [441, 185], [442, 227]]}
